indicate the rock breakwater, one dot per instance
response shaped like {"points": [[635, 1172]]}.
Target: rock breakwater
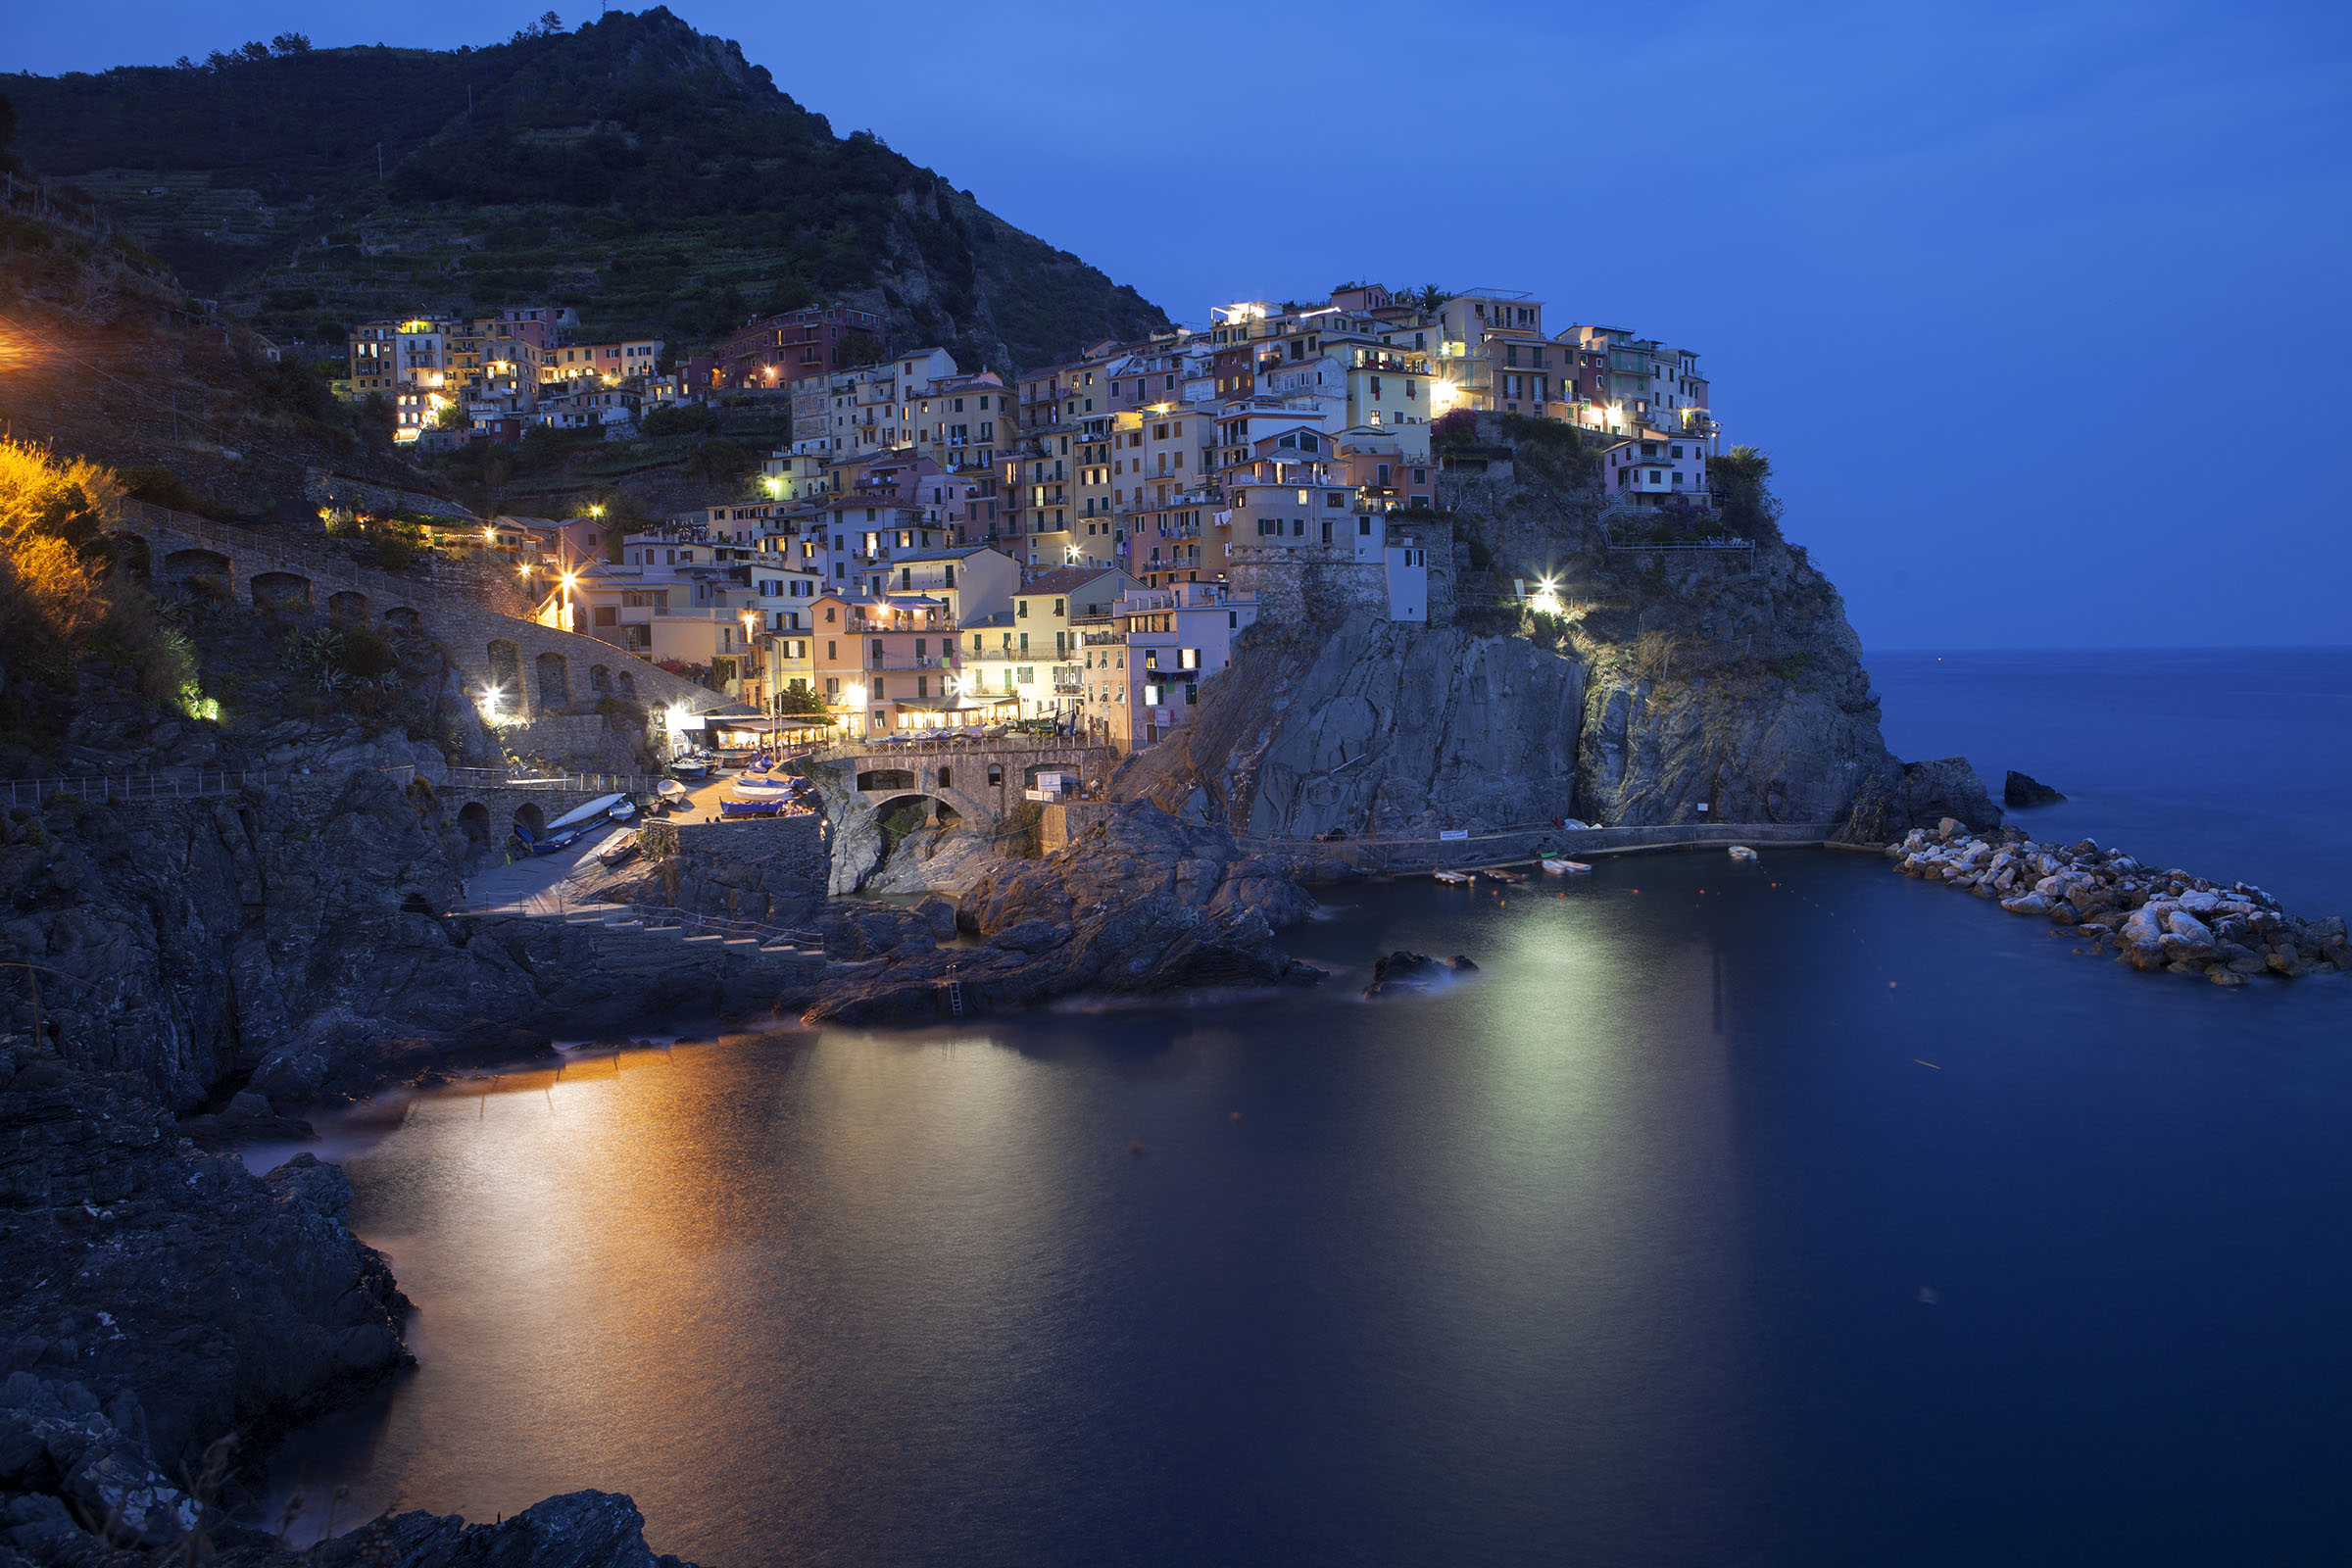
{"points": [[2152, 918]]}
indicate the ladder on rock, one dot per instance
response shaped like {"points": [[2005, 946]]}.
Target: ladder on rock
{"points": [[956, 999]]}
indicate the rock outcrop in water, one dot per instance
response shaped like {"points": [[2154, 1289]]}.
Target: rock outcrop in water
{"points": [[2020, 789], [2153, 920], [1138, 904]]}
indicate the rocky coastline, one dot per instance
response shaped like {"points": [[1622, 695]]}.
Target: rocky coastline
{"points": [[2150, 919]]}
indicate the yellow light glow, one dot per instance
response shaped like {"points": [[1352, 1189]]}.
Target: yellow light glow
{"points": [[853, 696], [568, 579]]}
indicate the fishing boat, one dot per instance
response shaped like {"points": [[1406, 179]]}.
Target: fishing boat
{"points": [[583, 818], [670, 793], [1454, 876], [1497, 873], [620, 851], [1561, 867], [766, 808], [1740, 852], [762, 787], [691, 766], [622, 813]]}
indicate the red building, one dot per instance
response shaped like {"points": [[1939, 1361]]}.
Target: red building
{"points": [[777, 350]]}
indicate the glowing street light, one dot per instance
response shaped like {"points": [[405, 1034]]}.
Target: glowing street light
{"points": [[1545, 600], [489, 702]]}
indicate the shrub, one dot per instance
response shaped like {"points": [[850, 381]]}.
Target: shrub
{"points": [[393, 554], [159, 486], [683, 418]]}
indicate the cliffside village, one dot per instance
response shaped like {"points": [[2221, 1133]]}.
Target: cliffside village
{"points": [[1082, 546]]}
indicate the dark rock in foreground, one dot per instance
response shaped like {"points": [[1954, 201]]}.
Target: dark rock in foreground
{"points": [[2021, 789], [159, 1300], [578, 1530], [1138, 904]]}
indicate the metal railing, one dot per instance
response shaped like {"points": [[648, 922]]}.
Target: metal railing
{"points": [[1495, 843], [178, 784], [1002, 746], [196, 784]]}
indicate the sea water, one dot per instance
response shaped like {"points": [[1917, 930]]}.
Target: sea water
{"points": [[1794, 1213]]}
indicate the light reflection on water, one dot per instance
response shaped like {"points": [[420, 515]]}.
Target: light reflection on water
{"points": [[1612, 1254]]}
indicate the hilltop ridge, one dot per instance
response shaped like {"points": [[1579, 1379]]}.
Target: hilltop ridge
{"points": [[645, 171]]}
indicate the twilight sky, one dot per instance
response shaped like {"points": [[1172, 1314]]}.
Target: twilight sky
{"points": [[2038, 307]]}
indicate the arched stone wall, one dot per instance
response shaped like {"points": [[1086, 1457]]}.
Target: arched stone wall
{"points": [[505, 675], [599, 678], [346, 604], [400, 619], [280, 590], [554, 686], [181, 564]]}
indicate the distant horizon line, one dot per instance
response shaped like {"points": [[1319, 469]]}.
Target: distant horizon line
{"points": [[2122, 647]]}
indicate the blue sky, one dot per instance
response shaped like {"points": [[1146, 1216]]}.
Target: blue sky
{"points": [[2038, 307]]}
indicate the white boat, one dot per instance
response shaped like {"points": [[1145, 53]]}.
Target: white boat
{"points": [[580, 816], [763, 785], [1500, 875], [669, 792], [1454, 876], [1559, 867], [620, 852], [623, 811], [1740, 852]]}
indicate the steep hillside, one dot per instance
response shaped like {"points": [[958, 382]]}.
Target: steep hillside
{"points": [[637, 168], [1671, 685]]}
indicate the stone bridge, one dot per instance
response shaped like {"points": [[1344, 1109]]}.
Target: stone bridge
{"points": [[980, 781], [535, 670]]}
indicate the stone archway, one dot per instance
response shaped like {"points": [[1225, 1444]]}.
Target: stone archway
{"points": [[886, 778], [555, 681], [625, 684], [348, 604], [131, 554], [473, 822], [506, 678], [212, 566], [284, 591], [600, 679], [404, 622]]}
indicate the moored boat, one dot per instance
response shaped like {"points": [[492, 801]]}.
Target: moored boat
{"points": [[1563, 867], [1740, 852], [1454, 876], [581, 816], [1497, 873]]}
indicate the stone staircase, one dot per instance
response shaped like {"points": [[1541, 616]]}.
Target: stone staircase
{"points": [[627, 939]]}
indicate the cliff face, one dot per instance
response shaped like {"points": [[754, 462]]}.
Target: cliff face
{"points": [[1670, 680]]}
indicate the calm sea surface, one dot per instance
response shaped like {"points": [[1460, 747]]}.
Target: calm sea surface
{"points": [[1794, 1214]]}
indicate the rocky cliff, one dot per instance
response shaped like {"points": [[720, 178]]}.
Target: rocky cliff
{"points": [[1655, 684], [1138, 904]]}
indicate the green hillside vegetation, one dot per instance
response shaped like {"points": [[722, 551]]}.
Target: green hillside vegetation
{"points": [[635, 168]]}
